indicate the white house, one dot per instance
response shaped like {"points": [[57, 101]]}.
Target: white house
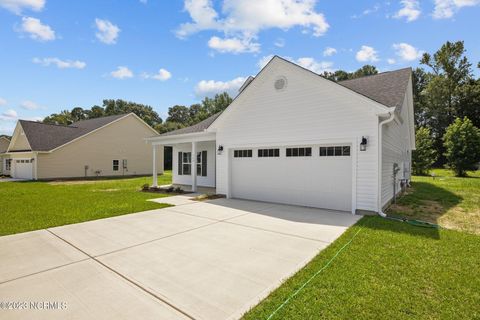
{"points": [[292, 136]]}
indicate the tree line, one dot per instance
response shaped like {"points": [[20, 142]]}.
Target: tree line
{"points": [[447, 111]]}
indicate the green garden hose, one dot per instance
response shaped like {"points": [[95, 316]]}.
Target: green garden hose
{"points": [[416, 223]]}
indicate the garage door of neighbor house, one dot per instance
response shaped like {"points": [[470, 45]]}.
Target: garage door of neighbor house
{"points": [[23, 169], [313, 176]]}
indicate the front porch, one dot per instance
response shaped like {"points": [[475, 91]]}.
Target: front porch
{"points": [[193, 160]]}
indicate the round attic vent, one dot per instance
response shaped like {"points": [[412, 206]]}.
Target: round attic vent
{"points": [[280, 83]]}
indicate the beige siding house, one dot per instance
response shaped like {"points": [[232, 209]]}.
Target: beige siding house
{"points": [[108, 146], [4, 158]]}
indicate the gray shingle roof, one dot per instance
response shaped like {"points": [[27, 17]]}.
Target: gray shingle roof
{"points": [[199, 127], [46, 137], [387, 88]]}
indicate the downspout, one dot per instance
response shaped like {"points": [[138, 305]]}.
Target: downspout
{"points": [[380, 156]]}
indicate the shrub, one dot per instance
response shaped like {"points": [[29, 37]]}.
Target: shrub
{"points": [[145, 187], [462, 144], [425, 154], [170, 189], [178, 190]]}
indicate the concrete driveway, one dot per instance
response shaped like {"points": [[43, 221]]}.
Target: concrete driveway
{"points": [[197, 260]]}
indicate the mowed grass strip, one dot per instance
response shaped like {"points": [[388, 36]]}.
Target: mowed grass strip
{"points": [[391, 270], [27, 206]]}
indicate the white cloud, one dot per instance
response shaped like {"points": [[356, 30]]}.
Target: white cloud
{"points": [[61, 64], [107, 31], [3, 102], [329, 51], [161, 75], [314, 65], [240, 19], [306, 62], [445, 9], [17, 6], [407, 52], [37, 30], [233, 45], [9, 115], [391, 61], [410, 10], [122, 73], [29, 105], [367, 12], [211, 87], [367, 54], [280, 43]]}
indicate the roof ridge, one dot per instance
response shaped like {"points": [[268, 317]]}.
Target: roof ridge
{"points": [[48, 124], [376, 74]]}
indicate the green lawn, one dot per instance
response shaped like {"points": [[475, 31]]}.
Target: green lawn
{"points": [[30, 206], [392, 270], [452, 202]]}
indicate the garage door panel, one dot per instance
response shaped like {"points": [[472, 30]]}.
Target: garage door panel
{"points": [[323, 182], [23, 169]]}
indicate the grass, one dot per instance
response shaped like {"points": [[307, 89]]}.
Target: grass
{"points": [[30, 206], [453, 203], [392, 270]]}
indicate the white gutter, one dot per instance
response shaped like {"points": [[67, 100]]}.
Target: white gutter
{"points": [[391, 117]]}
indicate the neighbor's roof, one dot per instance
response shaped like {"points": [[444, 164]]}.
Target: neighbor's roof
{"points": [[387, 88], [199, 127], [46, 137]]}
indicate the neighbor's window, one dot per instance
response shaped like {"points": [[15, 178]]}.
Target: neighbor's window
{"points": [[242, 153], [115, 165], [334, 151], [264, 153], [8, 164], [299, 152]]}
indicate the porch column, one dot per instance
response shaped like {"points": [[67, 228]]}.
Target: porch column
{"points": [[154, 171], [194, 167]]}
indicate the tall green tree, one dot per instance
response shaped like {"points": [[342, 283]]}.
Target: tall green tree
{"points": [[425, 154], [447, 91], [179, 114], [462, 146]]}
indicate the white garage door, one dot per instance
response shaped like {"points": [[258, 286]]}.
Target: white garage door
{"points": [[23, 169], [313, 176]]}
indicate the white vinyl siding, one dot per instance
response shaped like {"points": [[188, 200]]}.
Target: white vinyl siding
{"points": [[396, 149], [310, 110]]}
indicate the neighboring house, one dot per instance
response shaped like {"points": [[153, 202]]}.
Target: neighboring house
{"points": [[4, 158], [108, 146], [294, 137]]}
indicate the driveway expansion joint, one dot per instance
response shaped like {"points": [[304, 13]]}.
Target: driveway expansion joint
{"points": [[154, 295]]}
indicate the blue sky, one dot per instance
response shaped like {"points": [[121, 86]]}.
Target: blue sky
{"points": [[55, 54]]}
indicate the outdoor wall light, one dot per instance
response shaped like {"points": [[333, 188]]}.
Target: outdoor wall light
{"points": [[220, 149], [363, 144]]}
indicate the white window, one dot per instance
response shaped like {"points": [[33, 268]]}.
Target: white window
{"points": [[184, 163], [115, 165], [242, 153], [8, 164]]}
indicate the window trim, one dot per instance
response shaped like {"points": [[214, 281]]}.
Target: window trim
{"points": [[335, 151], [116, 167], [268, 153], [298, 152], [243, 153]]}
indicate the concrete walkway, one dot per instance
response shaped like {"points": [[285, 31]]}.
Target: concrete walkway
{"points": [[198, 260]]}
